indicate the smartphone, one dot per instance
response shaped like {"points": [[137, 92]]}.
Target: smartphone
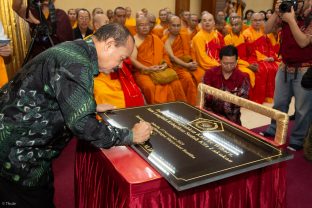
{"points": [[4, 42]]}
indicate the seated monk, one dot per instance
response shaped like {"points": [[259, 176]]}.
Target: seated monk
{"points": [[194, 28], [3, 72], [159, 29], [260, 48], [150, 59], [207, 43], [178, 47], [118, 88], [5, 50], [236, 38]]}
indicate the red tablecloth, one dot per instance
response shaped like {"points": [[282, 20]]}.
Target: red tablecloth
{"points": [[119, 177]]}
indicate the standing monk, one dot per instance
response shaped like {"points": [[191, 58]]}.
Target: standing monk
{"points": [[149, 58], [178, 47], [207, 43]]}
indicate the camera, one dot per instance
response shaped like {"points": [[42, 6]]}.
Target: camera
{"points": [[287, 4]]}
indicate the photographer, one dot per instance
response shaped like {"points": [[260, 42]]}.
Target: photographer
{"points": [[296, 55], [45, 22]]}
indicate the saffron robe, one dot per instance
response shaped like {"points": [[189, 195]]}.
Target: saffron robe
{"points": [[159, 30], [3, 73], [259, 49], [152, 52], [118, 88], [131, 25], [206, 47], [181, 48]]}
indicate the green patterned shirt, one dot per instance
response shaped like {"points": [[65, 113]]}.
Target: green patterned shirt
{"points": [[49, 101]]}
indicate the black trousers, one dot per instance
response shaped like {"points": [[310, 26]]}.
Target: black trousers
{"points": [[14, 195]]}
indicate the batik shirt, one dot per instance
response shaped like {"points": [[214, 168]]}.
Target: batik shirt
{"points": [[237, 84], [48, 102]]}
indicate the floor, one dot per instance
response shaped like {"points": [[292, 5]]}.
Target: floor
{"points": [[253, 120]]}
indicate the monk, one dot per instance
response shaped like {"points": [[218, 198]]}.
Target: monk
{"points": [[185, 20], [236, 38], [130, 21], [72, 15], [193, 28], [117, 89], [178, 47], [99, 20], [207, 43], [259, 48], [5, 51], [159, 29], [149, 58]]}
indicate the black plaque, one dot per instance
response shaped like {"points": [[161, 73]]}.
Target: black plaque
{"points": [[190, 147]]}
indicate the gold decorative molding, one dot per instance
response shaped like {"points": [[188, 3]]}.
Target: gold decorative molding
{"points": [[280, 117], [17, 30]]}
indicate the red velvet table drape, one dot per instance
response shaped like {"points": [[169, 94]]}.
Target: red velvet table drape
{"points": [[119, 177]]}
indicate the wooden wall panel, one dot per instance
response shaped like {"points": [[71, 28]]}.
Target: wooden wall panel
{"points": [[181, 5]]}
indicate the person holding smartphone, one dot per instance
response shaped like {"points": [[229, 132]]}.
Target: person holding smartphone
{"points": [[5, 51]]}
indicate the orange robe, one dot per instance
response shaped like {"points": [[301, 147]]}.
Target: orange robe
{"points": [[151, 52], [195, 31], [159, 30], [181, 48], [118, 88], [131, 25], [206, 47], [3, 73], [259, 48], [242, 63]]}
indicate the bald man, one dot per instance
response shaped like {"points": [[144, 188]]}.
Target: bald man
{"points": [[99, 20], [207, 43], [236, 38], [193, 26], [261, 51], [178, 47], [150, 58], [130, 21], [162, 26]]}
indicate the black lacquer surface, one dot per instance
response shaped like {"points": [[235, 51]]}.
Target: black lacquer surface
{"points": [[190, 147]]}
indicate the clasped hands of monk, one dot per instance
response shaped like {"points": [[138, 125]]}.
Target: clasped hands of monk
{"points": [[141, 130]]}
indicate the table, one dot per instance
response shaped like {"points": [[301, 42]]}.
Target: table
{"points": [[119, 177]]}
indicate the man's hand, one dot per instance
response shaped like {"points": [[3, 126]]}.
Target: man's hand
{"points": [[21, 10], [277, 5], [141, 132], [192, 65], [32, 19], [5, 50], [254, 67], [100, 108]]}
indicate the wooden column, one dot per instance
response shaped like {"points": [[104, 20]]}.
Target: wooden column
{"points": [[209, 6], [181, 5]]}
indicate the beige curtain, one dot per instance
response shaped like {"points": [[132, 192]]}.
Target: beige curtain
{"points": [[17, 30]]}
